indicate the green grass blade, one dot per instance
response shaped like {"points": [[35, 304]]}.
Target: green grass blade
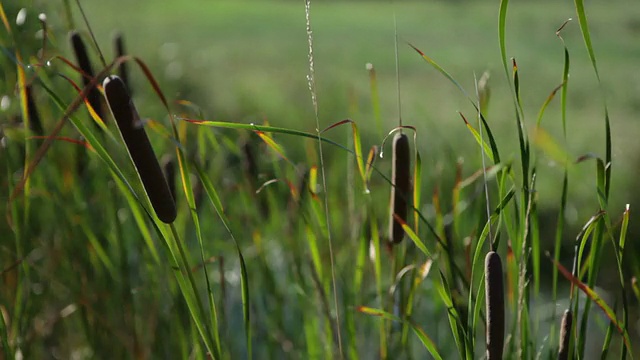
{"points": [[412, 235], [417, 188], [424, 338], [502, 22], [244, 278], [593, 296]]}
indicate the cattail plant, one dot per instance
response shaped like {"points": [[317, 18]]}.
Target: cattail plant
{"points": [[118, 44], [494, 290], [139, 148], [400, 186], [80, 51], [34, 123], [565, 335]]}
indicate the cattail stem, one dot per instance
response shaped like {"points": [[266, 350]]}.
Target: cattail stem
{"points": [[139, 148], [401, 184], [494, 290]]}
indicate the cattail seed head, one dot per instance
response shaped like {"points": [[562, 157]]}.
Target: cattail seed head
{"points": [[401, 185], [118, 43], [35, 125], [80, 51], [139, 148], [494, 290], [565, 335]]}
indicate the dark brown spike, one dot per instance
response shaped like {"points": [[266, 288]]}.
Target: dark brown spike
{"points": [[139, 148], [123, 71], [401, 185], [82, 56], [494, 290], [35, 125], [565, 335]]}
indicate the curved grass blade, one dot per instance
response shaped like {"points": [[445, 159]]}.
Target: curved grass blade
{"points": [[478, 138], [357, 146], [412, 235], [494, 147], [244, 277], [417, 187], [584, 28], [593, 296], [424, 338]]}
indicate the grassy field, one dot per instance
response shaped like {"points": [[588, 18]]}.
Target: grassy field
{"points": [[262, 260]]}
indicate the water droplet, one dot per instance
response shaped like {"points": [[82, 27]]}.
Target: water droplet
{"points": [[5, 102], [21, 17], [381, 154]]}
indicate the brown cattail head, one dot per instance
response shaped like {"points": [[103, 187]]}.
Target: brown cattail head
{"points": [[139, 148], [35, 125], [494, 290], [401, 185], [565, 335], [118, 44], [80, 51]]}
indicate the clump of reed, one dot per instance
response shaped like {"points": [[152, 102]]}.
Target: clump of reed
{"points": [[400, 186], [494, 291], [139, 148]]}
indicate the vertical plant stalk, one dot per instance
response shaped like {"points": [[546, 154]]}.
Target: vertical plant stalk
{"points": [[494, 290], [312, 88], [400, 186], [139, 149]]}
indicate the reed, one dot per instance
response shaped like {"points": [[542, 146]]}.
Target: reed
{"points": [[401, 184], [494, 290], [139, 148]]}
